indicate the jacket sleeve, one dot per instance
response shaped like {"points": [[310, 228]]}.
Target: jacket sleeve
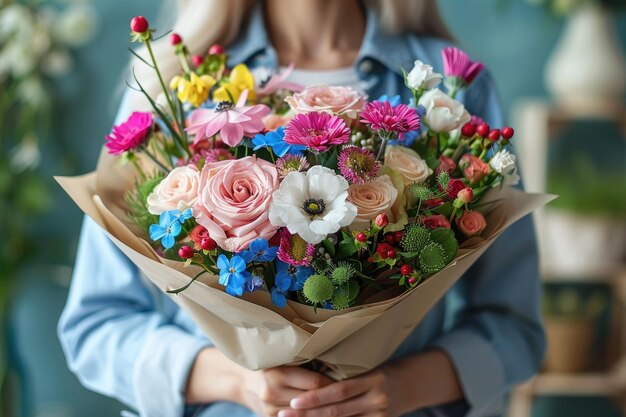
{"points": [[495, 336], [120, 335]]}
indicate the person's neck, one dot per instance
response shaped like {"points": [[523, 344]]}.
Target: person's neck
{"points": [[315, 34]]}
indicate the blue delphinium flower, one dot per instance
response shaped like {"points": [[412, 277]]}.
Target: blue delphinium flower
{"points": [[253, 283], [276, 140], [183, 216], [168, 228], [259, 250], [288, 278], [394, 101], [233, 274]]}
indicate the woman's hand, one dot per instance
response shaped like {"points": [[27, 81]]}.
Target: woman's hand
{"points": [[269, 391], [391, 390], [375, 394]]}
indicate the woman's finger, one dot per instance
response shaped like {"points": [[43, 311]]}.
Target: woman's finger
{"points": [[297, 378], [367, 404], [334, 393]]}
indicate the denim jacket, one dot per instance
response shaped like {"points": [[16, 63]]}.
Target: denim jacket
{"points": [[125, 339]]}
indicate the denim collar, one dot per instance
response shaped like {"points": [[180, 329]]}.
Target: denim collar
{"points": [[389, 50]]}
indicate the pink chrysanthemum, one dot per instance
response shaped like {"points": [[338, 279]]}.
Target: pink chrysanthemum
{"points": [[231, 122], [129, 135], [218, 154], [357, 165], [294, 250], [291, 163], [317, 131], [383, 116], [456, 63]]}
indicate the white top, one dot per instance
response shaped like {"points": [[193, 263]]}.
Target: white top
{"points": [[343, 76]]}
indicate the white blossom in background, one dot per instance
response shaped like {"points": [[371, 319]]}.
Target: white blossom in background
{"points": [[26, 155], [57, 63], [503, 163], [32, 92], [75, 26], [422, 77]]}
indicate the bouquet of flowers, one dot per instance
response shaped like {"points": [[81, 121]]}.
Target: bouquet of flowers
{"points": [[308, 205]]}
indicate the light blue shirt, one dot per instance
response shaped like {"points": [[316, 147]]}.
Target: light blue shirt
{"points": [[126, 339]]}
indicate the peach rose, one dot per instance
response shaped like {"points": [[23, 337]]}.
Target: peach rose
{"points": [[407, 163], [471, 223], [177, 191], [371, 199], [342, 101], [274, 121], [234, 200], [474, 168]]}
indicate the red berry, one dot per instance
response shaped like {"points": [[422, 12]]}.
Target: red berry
{"points": [[483, 130], [370, 260], [139, 24], [468, 130], [185, 252], [392, 254], [197, 60], [208, 244], [216, 49], [406, 269], [361, 237], [412, 280], [494, 135], [508, 132], [397, 236], [383, 250], [390, 238], [175, 39]]}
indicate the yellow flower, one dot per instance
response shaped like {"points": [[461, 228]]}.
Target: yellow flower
{"points": [[240, 79], [195, 90]]}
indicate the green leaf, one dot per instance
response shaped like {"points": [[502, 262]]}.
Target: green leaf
{"points": [[445, 209], [344, 250], [331, 160], [445, 237], [330, 248]]}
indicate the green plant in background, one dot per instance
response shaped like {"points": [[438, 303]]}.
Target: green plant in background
{"points": [[568, 303], [566, 7], [583, 190], [36, 40]]}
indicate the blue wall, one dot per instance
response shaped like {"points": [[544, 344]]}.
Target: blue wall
{"points": [[513, 40]]}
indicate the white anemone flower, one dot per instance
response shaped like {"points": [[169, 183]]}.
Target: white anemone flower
{"points": [[312, 204]]}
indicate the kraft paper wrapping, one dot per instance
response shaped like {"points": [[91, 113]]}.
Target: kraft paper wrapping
{"points": [[254, 333]]}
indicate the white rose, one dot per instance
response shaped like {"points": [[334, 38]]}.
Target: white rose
{"points": [[423, 77], [407, 163], [503, 163], [177, 191], [443, 113]]}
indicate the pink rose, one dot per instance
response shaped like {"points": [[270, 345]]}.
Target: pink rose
{"points": [[342, 101], [177, 191], [372, 199], [474, 168], [445, 165], [471, 223], [234, 200], [436, 221]]}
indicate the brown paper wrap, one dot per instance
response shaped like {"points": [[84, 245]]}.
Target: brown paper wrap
{"points": [[256, 334]]}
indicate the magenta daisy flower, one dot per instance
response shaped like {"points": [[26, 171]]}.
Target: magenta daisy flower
{"points": [[294, 250], [129, 135], [358, 165], [383, 116], [291, 163], [457, 64], [317, 131], [231, 122]]}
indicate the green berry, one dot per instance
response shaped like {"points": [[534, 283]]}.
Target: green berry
{"points": [[415, 238], [342, 274], [318, 289], [344, 296], [432, 258]]}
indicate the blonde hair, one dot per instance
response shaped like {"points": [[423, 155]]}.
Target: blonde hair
{"points": [[202, 23]]}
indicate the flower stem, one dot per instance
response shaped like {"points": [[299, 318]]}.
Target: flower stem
{"points": [[383, 146], [166, 91], [157, 162], [453, 214]]}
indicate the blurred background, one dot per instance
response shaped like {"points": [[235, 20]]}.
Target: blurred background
{"points": [[561, 70]]}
